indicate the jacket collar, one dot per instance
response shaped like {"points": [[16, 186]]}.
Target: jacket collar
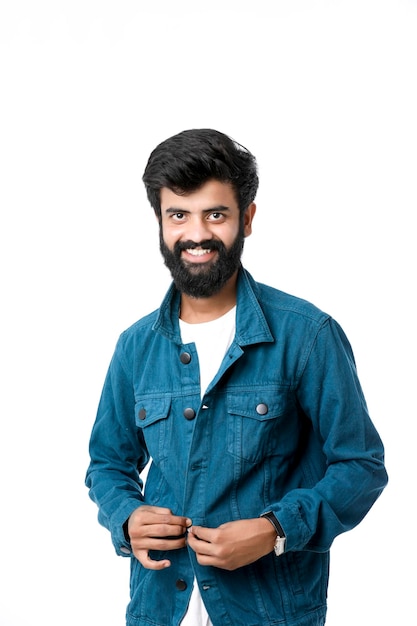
{"points": [[251, 324]]}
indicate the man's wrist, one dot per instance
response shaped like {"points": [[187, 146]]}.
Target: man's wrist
{"points": [[269, 515]]}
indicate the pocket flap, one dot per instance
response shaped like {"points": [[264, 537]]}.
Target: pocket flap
{"points": [[259, 406], [149, 410]]}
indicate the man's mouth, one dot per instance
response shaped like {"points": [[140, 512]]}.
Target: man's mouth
{"points": [[198, 251]]}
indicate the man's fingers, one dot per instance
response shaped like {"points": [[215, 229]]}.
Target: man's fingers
{"points": [[144, 558], [231, 545], [159, 515], [204, 534], [148, 542], [163, 531], [156, 528], [200, 540], [159, 522]]}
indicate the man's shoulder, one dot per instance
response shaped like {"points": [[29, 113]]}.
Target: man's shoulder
{"points": [[283, 300], [273, 299], [141, 325]]}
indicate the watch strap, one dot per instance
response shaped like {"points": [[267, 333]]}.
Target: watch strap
{"points": [[275, 523]]}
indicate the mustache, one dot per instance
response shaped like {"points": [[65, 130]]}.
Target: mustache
{"points": [[207, 244]]}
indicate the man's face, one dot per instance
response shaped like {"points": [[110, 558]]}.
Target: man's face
{"points": [[201, 237]]}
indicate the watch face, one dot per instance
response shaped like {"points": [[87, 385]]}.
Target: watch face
{"points": [[279, 546]]}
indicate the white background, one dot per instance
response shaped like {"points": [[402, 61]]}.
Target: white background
{"points": [[324, 94]]}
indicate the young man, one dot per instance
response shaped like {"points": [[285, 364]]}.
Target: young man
{"points": [[247, 401]]}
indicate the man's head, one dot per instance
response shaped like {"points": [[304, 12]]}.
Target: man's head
{"points": [[201, 185], [186, 161]]}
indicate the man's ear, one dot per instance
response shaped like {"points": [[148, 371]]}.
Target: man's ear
{"points": [[247, 219]]}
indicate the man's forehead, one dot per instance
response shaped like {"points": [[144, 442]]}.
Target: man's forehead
{"points": [[212, 194]]}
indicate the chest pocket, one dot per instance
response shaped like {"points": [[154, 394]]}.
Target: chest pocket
{"points": [[255, 423], [152, 418]]}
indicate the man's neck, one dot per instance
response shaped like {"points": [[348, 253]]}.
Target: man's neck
{"points": [[198, 310]]}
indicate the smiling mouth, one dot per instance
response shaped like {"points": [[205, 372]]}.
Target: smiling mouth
{"points": [[198, 251]]}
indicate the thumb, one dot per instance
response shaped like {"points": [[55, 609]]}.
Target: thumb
{"points": [[145, 560]]}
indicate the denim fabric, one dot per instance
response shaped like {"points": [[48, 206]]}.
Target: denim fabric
{"points": [[283, 426]]}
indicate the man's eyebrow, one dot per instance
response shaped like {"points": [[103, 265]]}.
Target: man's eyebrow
{"points": [[215, 209]]}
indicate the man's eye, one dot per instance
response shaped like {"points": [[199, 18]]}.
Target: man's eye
{"points": [[216, 216]]}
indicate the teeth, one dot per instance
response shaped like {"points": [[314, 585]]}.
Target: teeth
{"points": [[198, 251]]}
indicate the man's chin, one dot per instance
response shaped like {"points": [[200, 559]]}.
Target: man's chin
{"points": [[197, 268], [198, 282]]}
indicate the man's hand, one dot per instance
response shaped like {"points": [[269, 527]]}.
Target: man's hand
{"points": [[233, 544], [155, 528]]}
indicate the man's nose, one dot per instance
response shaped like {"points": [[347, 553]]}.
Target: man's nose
{"points": [[198, 230]]}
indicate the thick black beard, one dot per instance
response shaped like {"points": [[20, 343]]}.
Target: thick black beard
{"points": [[202, 280]]}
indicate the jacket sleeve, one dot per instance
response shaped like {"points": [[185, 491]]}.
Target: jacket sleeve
{"points": [[350, 449], [117, 454]]}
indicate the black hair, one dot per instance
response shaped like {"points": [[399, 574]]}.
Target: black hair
{"points": [[184, 162]]}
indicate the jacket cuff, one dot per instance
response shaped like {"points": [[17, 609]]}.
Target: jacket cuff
{"points": [[118, 528], [270, 516]]}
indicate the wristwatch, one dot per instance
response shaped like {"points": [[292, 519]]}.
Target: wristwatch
{"points": [[279, 546]]}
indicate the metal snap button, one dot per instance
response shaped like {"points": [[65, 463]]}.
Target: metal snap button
{"points": [[181, 585], [189, 413]]}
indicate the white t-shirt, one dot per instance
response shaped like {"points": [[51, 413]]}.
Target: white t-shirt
{"points": [[212, 340]]}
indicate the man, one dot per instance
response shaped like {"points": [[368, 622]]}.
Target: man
{"points": [[247, 402]]}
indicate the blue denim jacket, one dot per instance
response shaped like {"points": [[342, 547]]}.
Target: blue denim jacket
{"points": [[283, 427]]}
